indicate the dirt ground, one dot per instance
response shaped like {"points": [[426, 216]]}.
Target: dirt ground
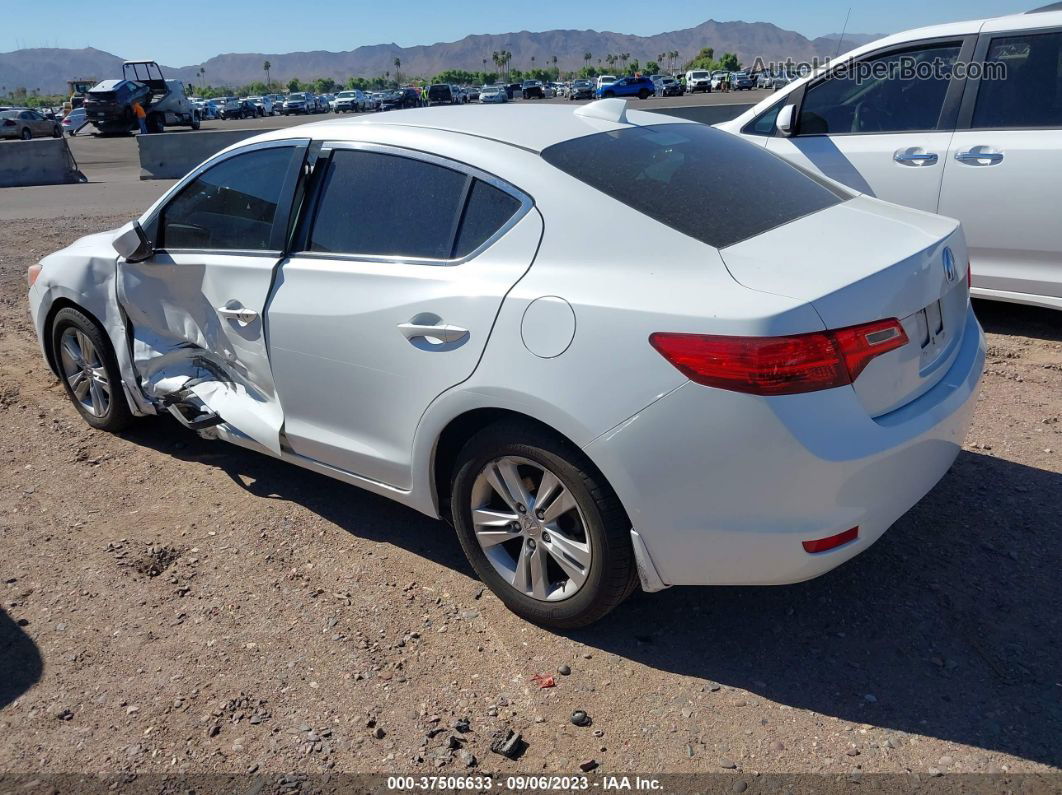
{"points": [[169, 604]]}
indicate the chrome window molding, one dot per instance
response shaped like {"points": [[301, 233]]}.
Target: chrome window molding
{"points": [[526, 203]]}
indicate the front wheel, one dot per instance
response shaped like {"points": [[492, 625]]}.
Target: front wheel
{"points": [[88, 370], [541, 527]]}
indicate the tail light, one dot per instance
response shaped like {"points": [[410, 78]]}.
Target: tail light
{"points": [[969, 276], [780, 365]]}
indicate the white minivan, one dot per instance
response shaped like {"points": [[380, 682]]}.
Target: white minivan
{"points": [[962, 119]]}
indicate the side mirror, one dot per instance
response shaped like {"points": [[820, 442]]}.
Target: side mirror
{"points": [[784, 121], [132, 244]]}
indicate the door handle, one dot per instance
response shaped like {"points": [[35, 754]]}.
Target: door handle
{"points": [[928, 158], [240, 314], [442, 333], [975, 157]]}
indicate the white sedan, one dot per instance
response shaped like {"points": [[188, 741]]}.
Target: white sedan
{"points": [[691, 396]]}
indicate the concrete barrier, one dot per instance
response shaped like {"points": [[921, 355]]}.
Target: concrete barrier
{"points": [[46, 161], [705, 114], [172, 155]]}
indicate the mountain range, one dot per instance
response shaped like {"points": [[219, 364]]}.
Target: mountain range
{"points": [[48, 69]]}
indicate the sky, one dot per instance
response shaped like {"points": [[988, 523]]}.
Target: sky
{"points": [[196, 30]]}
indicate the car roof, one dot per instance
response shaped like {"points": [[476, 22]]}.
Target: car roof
{"points": [[533, 128]]}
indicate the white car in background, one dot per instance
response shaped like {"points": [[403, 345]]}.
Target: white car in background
{"points": [[604, 80], [984, 149], [749, 397]]}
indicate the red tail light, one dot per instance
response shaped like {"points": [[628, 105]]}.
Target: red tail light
{"points": [[969, 276], [780, 365], [832, 542]]}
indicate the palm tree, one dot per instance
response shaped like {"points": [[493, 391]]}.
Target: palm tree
{"points": [[532, 63], [587, 57], [398, 72], [674, 59], [625, 57], [269, 84]]}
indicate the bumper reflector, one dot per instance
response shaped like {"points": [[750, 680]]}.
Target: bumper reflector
{"points": [[823, 544]]}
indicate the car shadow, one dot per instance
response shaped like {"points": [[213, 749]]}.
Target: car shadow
{"points": [[947, 627], [1019, 320], [20, 660]]}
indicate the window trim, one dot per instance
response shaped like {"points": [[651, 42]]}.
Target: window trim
{"points": [[285, 208], [972, 88], [952, 96], [306, 223]]}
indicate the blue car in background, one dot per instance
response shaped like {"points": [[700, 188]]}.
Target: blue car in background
{"points": [[641, 87]]}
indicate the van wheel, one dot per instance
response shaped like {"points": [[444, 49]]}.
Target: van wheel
{"points": [[88, 370], [541, 527]]}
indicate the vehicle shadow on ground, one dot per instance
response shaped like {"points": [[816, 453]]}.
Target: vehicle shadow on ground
{"points": [[352, 509], [1018, 320], [20, 661], [948, 627]]}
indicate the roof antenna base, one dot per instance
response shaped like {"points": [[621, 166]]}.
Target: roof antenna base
{"points": [[614, 110]]}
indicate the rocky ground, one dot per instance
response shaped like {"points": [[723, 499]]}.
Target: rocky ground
{"points": [[169, 604]]}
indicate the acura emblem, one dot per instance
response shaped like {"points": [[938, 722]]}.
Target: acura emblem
{"points": [[949, 265]]}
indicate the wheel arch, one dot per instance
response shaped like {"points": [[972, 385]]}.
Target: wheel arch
{"points": [[49, 320], [459, 429]]}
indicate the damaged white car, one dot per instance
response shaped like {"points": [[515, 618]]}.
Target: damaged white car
{"points": [[413, 306]]}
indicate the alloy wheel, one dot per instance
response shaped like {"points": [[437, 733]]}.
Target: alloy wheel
{"points": [[84, 372], [530, 528]]}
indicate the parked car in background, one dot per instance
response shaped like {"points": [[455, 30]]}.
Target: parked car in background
{"points": [[263, 104], [471, 93], [228, 107], [718, 79], [73, 121], [986, 151], [491, 95], [698, 80], [740, 81], [784, 337], [299, 102], [641, 87], [603, 80], [402, 98], [26, 124], [666, 86], [350, 101], [443, 94], [581, 89], [532, 89], [208, 108]]}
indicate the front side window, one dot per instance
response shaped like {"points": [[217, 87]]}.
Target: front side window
{"points": [[1022, 83], [377, 204], [895, 92], [708, 184], [230, 206]]}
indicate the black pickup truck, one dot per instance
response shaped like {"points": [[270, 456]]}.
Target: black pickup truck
{"points": [[532, 89]]}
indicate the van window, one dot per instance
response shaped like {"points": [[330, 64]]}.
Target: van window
{"points": [[1030, 95]]}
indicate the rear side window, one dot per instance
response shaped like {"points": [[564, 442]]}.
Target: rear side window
{"points": [[1030, 94], [230, 206], [700, 181], [487, 211], [896, 92], [380, 204]]}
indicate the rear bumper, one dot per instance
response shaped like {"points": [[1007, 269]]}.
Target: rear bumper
{"points": [[723, 488]]}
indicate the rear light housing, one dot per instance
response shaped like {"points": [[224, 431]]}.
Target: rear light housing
{"points": [[830, 542], [780, 365]]}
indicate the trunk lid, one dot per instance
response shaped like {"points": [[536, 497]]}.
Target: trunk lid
{"points": [[865, 260]]}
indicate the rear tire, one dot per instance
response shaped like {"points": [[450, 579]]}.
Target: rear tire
{"points": [[88, 366], [595, 519], [643, 94], [26, 134]]}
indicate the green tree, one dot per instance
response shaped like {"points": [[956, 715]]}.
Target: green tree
{"points": [[633, 67], [652, 68], [324, 85], [293, 85], [267, 66]]}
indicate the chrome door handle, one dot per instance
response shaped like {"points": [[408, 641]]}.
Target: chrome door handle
{"points": [[977, 157], [915, 157], [240, 314], [443, 333]]}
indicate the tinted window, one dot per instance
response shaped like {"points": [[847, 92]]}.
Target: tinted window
{"points": [[703, 182], [486, 212], [230, 205], [382, 204], [1030, 93], [764, 124], [898, 92]]}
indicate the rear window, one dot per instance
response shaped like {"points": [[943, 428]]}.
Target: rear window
{"points": [[700, 181]]}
